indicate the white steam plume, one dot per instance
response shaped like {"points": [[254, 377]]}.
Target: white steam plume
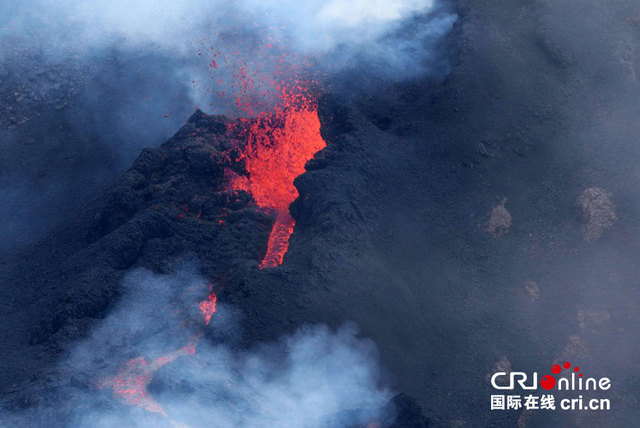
{"points": [[312, 378], [337, 30]]}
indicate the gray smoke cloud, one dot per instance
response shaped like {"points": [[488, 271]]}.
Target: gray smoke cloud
{"points": [[391, 39], [310, 27], [314, 377]]}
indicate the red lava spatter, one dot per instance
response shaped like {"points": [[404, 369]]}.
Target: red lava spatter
{"points": [[280, 127], [131, 382], [278, 145]]}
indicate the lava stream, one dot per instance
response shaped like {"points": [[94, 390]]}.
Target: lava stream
{"points": [[131, 382], [278, 145], [278, 240]]}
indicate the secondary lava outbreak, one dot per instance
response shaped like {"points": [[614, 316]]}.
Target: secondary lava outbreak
{"points": [[130, 384], [278, 134]]}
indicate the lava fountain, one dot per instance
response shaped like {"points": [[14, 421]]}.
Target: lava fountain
{"points": [[275, 146], [278, 145]]}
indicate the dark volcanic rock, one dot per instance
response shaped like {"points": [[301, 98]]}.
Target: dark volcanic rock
{"points": [[407, 413], [174, 203], [390, 218], [171, 204]]}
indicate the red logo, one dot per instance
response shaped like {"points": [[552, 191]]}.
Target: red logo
{"points": [[549, 381]]}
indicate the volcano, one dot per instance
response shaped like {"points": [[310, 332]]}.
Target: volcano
{"points": [[459, 204], [214, 192]]}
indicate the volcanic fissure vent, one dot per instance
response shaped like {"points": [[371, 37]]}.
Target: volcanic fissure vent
{"points": [[278, 145]]}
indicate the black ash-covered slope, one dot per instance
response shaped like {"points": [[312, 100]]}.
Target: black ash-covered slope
{"points": [[173, 205], [170, 204], [394, 226]]}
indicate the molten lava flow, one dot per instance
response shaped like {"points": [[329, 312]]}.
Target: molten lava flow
{"points": [[278, 147], [208, 307], [130, 384], [281, 128], [278, 240]]}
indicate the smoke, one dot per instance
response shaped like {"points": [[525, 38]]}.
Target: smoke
{"points": [[334, 35], [315, 377], [312, 27]]}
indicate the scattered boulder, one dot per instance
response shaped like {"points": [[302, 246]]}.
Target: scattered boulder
{"points": [[524, 418], [592, 315], [597, 212], [408, 413], [499, 220], [532, 289], [502, 365], [576, 346]]}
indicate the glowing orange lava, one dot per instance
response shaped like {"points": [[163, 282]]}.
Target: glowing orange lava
{"points": [[278, 145], [208, 307], [131, 382], [273, 89]]}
